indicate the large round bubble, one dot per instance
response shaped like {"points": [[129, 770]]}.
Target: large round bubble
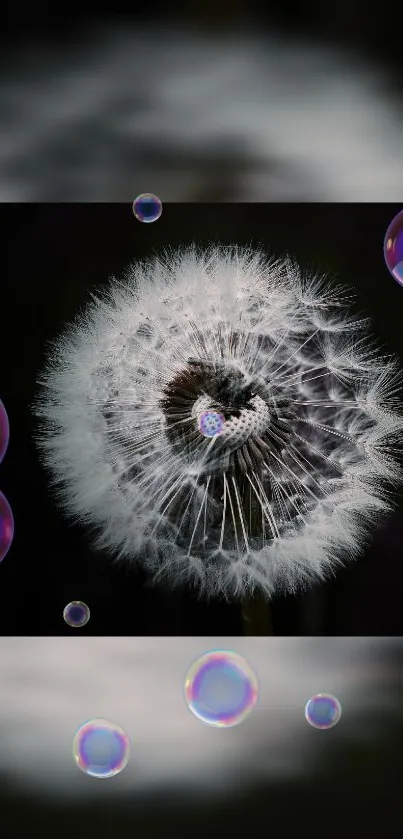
{"points": [[101, 748], [221, 688]]}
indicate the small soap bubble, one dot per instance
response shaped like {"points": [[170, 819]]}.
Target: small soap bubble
{"points": [[210, 423], [6, 526], [147, 207], [323, 710], [4, 431], [393, 248], [76, 613], [101, 748], [221, 689]]}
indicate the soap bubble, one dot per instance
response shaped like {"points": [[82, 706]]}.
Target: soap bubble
{"points": [[6, 526], [210, 423], [147, 207], [323, 710], [393, 248], [221, 688], [4, 431], [101, 748], [76, 613]]}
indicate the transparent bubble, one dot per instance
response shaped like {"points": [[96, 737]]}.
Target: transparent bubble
{"points": [[147, 207], [221, 689], [6, 526], [4, 431], [101, 748], [393, 248], [210, 423], [323, 710], [76, 613]]}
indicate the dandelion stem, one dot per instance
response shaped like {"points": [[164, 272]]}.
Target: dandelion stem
{"points": [[256, 615]]}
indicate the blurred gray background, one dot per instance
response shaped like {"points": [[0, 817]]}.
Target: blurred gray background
{"points": [[228, 104], [183, 774]]}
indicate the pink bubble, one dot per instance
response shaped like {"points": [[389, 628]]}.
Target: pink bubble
{"points": [[393, 248], [4, 431], [6, 526]]}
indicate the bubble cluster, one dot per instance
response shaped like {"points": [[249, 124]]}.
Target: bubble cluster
{"points": [[323, 710], [221, 689], [393, 248], [101, 748], [76, 613], [147, 207], [6, 526], [210, 423], [4, 431]]}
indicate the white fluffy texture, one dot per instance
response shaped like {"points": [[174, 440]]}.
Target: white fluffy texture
{"points": [[121, 473]]}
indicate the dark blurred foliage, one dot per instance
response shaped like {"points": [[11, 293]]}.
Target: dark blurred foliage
{"points": [[354, 789], [306, 102]]}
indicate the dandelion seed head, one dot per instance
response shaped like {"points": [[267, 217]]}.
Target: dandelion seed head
{"points": [[222, 419]]}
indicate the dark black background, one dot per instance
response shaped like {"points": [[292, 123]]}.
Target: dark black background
{"points": [[358, 25], [54, 256]]}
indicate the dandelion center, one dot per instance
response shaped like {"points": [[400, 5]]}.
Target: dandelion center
{"points": [[215, 402]]}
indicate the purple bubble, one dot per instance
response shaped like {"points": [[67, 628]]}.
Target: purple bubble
{"points": [[211, 423], [4, 431], [147, 207], [101, 748], [393, 248], [76, 613], [6, 526], [221, 689], [323, 710]]}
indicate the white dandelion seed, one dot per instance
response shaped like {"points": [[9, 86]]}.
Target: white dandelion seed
{"points": [[302, 462]]}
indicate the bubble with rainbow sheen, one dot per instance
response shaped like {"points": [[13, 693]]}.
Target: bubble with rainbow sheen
{"points": [[101, 748], [210, 423], [4, 431], [6, 526], [323, 711], [393, 248], [221, 688], [147, 207], [76, 613]]}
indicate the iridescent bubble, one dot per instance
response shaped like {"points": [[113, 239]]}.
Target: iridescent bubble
{"points": [[323, 710], [221, 689], [101, 748], [6, 526], [4, 431], [210, 423], [147, 207], [76, 613], [393, 248]]}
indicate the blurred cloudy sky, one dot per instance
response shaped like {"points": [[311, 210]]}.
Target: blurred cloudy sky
{"points": [[253, 113], [50, 686]]}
